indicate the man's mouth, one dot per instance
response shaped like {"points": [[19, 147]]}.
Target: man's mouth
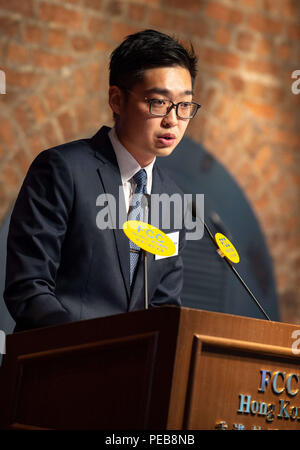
{"points": [[167, 139]]}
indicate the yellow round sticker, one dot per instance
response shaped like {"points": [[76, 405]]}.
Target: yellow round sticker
{"points": [[227, 248], [149, 238]]}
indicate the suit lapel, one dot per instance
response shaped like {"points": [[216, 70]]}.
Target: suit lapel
{"points": [[110, 177]]}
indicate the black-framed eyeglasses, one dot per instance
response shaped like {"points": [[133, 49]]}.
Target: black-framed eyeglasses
{"points": [[162, 107]]}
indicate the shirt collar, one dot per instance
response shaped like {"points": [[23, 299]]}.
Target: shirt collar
{"points": [[127, 164]]}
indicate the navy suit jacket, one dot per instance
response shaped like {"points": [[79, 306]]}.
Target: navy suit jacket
{"points": [[60, 266]]}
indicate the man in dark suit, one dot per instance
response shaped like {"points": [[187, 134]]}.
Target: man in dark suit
{"points": [[61, 266]]}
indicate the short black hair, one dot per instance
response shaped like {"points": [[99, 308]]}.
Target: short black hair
{"points": [[144, 50]]}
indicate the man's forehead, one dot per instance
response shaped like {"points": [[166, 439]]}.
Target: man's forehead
{"points": [[174, 80], [164, 91]]}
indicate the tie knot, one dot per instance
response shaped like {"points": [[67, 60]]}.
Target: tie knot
{"points": [[140, 179]]}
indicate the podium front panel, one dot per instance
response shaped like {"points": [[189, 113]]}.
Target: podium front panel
{"points": [[106, 373], [259, 390], [240, 373]]}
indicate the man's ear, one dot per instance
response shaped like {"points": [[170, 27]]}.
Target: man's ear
{"points": [[115, 99]]}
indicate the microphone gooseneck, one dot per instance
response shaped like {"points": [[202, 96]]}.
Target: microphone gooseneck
{"points": [[235, 272]]}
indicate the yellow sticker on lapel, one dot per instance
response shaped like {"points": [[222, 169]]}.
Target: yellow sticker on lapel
{"points": [[227, 248], [149, 238]]}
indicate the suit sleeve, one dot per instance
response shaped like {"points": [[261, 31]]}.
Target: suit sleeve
{"points": [[36, 233]]}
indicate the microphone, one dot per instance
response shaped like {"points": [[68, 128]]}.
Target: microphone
{"points": [[145, 204], [230, 265]]}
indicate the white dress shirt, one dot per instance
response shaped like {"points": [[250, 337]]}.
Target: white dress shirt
{"points": [[128, 167]]}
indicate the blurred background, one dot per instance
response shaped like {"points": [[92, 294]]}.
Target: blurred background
{"points": [[244, 144]]}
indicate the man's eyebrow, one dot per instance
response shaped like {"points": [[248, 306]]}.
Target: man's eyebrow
{"points": [[161, 91]]}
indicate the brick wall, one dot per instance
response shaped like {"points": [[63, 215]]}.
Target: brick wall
{"points": [[55, 57]]}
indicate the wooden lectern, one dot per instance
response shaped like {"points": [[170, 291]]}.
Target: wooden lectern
{"points": [[166, 368]]}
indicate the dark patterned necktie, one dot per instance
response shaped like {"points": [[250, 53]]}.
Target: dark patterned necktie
{"points": [[136, 213]]}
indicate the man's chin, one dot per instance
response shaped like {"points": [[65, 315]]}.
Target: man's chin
{"points": [[165, 151]]}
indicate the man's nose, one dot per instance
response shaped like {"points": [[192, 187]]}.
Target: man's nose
{"points": [[170, 120]]}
